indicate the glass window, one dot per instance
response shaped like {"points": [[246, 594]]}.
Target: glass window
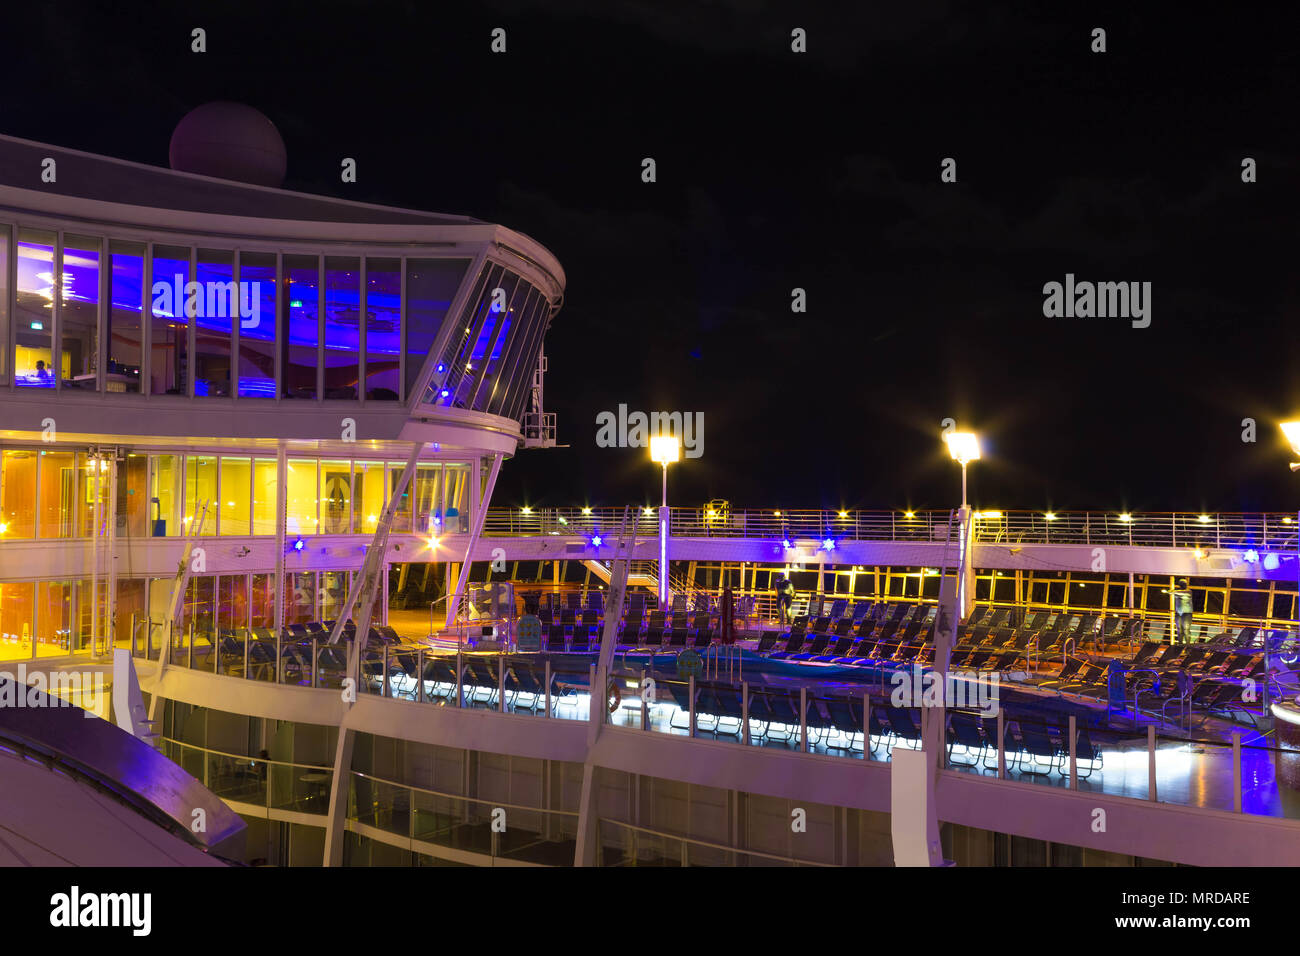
{"points": [[333, 593], [402, 516], [165, 496], [54, 620], [383, 328], [300, 315], [263, 600], [4, 304], [18, 494], [514, 379], [455, 502], [92, 615], [451, 368], [427, 518], [301, 517], [17, 620], [513, 323], [126, 306], [431, 284], [485, 337], [299, 597], [236, 495], [342, 326], [368, 493], [57, 492], [336, 497], [201, 493], [257, 324], [215, 307], [130, 601], [93, 477], [168, 330], [79, 315], [133, 496], [200, 606], [34, 318], [266, 483], [232, 602]]}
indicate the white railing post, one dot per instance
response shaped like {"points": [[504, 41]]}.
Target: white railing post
{"points": [[1002, 750], [744, 711], [1151, 763], [691, 713], [1074, 760], [501, 683], [1236, 771], [460, 681], [866, 725], [547, 678], [803, 719]]}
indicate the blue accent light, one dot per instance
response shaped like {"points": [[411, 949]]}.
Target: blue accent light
{"points": [[786, 544], [1271, 562], [829, 544], [1252, 556], [596, 540], [299, 545]]}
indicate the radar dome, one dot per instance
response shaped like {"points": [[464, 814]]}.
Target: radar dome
{"points": [[229, 141]]}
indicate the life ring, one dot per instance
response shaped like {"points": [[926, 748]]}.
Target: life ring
{"points": [[613, 696]]}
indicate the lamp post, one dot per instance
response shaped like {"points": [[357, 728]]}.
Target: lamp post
{"points": [[664, 449], [1292, 432], [964, 447]]}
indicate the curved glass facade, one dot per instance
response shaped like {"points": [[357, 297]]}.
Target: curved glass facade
{"points": [[488, 362], [209, 322]]}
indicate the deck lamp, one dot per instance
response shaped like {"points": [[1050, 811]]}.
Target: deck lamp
{"points": [[664, 449], [964, 447], [1292, 432]]}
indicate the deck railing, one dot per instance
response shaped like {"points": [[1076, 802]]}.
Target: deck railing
{"points": [[1271, 531]]}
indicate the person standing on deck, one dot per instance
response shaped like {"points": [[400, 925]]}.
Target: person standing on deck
{"points": [[784, 597], [1182, 601]]}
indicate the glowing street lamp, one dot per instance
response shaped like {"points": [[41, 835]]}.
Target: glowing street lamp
{"points": [[964, 447], [665, 450]]}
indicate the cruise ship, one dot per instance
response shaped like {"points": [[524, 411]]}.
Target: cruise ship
{"points": [[249, 440]]}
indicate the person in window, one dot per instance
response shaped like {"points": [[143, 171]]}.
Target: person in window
{"points": [[42, 373], [1182, 599], [784, 597]]}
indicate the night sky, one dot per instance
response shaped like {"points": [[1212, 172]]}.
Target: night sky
{"points": [[820, 170]]}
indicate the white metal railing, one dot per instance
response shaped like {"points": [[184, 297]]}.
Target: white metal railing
{"points": [[1271, 531]]}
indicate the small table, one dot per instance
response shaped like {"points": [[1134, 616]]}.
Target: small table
{"points": [[318, 782]]}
